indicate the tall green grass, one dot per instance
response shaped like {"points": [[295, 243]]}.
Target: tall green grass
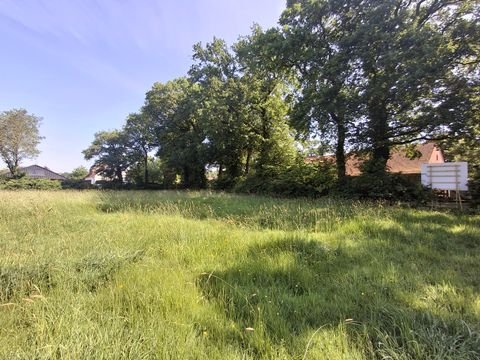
{"points": [[198, 275]]}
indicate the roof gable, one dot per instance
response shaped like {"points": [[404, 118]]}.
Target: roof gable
{"points": [[39, 172], [398, 162]]}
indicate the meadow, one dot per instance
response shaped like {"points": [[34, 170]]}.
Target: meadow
{"points": [[199, 275]]}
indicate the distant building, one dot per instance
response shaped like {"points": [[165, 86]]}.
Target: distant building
{"points": [[398, 162], [93, 175], [38, 172]]}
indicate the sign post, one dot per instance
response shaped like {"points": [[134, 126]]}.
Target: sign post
{"points": [[447, 176]]}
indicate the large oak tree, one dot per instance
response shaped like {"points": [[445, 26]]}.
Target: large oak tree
{"points": [[388, 69]]}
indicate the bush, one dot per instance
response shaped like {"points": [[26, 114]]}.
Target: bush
{"points": [[311, 180], [26, 183], [225, 182], [77, 185], [384, 186], [474, 187]]}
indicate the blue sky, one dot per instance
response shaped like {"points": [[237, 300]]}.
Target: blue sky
{"points": [[84, 65]]}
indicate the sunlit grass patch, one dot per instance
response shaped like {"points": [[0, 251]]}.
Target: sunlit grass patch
{"points": [[199, 275]]}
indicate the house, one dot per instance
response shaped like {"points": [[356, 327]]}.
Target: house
{"points": [[399, 162], [93, 175], [39, 172]]}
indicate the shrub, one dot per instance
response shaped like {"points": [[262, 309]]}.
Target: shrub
{"points": [[384, 186], [302, 179], [26, 183], [77, 185], [225, 182], [474, 187]]}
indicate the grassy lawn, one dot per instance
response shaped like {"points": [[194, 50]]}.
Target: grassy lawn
{"points": [[165, 275]]}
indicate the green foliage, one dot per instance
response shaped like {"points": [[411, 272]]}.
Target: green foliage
{"points": [[382, 185], [464, 146], [78, 173], [174, 106], [136, 173], [381, 72], [320, 53], [26, 183], [140, 131], [474, 187], [112, 152], [359, 75], [19, 137], [227, 114], [300, 179], [77, 185]]}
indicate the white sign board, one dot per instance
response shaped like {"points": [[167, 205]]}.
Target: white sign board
{"points": [[446, 176]]}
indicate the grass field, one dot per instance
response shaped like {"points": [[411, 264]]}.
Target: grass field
{"points": [[165, 275]]}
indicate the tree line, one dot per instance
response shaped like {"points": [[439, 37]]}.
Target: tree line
{"points": [[333, 76]]}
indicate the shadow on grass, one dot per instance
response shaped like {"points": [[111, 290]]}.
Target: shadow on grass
{"points": [[408, 279], [287, 289], [242, 210], [90, 273]]}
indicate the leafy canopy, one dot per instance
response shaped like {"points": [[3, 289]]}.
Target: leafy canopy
{"points": [[19, 137]]}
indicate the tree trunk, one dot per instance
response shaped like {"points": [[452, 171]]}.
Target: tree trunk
{"points": [[119, 175], [145, 173], [340, 147], [379, 136], [247, 163], [200, 178], [13, 167], [186, 177]]}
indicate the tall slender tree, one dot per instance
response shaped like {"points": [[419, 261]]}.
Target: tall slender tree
{"points": [[317, 46], [267, 103], [140, 131]]}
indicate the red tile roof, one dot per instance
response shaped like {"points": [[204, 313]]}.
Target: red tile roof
{"points": [[398, 162]]}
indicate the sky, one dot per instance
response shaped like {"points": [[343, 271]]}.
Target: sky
{"points": [[84, 65]]}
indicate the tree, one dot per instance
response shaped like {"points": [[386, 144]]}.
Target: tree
{"points": [[19, 137], [79, 173], [136, 173], [221, 98], [243, 109], [174, 110], [387, 69], [113, 154], [140, 130], [315, 45], [267, 90], [464, 145], [410, 55]]}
